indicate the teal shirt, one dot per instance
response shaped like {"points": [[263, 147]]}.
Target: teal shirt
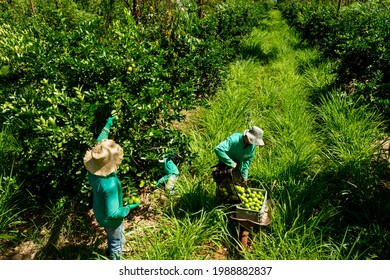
{"points": [[232, 150], [170, 167], [107, 200], [107, 195]]}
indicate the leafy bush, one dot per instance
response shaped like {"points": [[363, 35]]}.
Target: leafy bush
{"points": [[66, 90], [357, 38], [9, 149], [63, 75]]}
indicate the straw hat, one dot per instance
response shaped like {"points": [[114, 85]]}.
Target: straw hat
{"points": [[104, 158], [255, 136]]}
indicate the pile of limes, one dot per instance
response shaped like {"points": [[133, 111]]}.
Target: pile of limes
{"points": [[251, 198], [132, 199]]}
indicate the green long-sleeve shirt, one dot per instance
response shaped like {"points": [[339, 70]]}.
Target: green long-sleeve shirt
{"points": [[107, 195], [233, 150], [107, 200]]}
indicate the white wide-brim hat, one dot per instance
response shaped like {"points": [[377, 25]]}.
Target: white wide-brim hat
{"points": [[255, 136], [104, 158]]}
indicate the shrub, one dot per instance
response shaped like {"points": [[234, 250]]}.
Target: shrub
{"points": [[357, 38], [62, 77]]}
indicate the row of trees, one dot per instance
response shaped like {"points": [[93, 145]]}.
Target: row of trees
{"points": [[134, 5], [66, 69], [357, 38]]}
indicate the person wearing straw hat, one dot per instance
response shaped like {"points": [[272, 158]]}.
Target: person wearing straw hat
{"points": [[102, 162], [236, 153]]}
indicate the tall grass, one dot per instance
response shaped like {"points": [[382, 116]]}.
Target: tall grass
{"points": [[190, 225], [266, 89], [9, 148], [194, 236], [277, 85], [11, 208], [271, 95], [304, 240], [11, 200], [351, 137]]}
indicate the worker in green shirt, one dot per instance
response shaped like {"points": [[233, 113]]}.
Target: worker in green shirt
{"points": [[170, 161], [235, 154], [102, 162]]}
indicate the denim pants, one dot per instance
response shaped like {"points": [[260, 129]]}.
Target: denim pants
{"points": [[116, 241]]}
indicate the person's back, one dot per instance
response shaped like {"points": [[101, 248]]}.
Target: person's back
{"points": [[238, 151], [233, 149], [107, 194]]}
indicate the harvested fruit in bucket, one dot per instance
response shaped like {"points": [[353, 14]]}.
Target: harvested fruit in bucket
{"points": [[251, 198]]}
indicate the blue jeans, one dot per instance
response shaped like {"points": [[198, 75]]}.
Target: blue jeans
{"points": [[116, 241]]}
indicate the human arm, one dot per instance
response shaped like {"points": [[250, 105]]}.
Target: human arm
{"points": [[106, 129], [133, 205], [113, 201], [163, 180], [244, 168], [170, 167]]}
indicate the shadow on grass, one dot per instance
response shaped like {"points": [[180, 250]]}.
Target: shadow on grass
{"points": [[255, 52], [73, 235], [196, 199], [84, 237], [70, 252], [354, 211]]}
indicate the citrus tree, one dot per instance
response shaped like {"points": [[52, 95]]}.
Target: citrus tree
{"points": [[67, 68]]}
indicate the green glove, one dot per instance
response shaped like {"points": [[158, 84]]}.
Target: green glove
{"points": [[163, 180], [132, 206], [110, 122], [106, 129]]}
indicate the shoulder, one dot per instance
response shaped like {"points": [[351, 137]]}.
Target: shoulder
{"points": [[235, 136], [111, 179], [106, 182]]}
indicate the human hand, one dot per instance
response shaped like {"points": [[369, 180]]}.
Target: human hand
{"points": [[110, 121], [235, 165], [134, 205], [162, 180]]}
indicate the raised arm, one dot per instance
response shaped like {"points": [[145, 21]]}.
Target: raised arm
{"points": [[106, 129]]}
